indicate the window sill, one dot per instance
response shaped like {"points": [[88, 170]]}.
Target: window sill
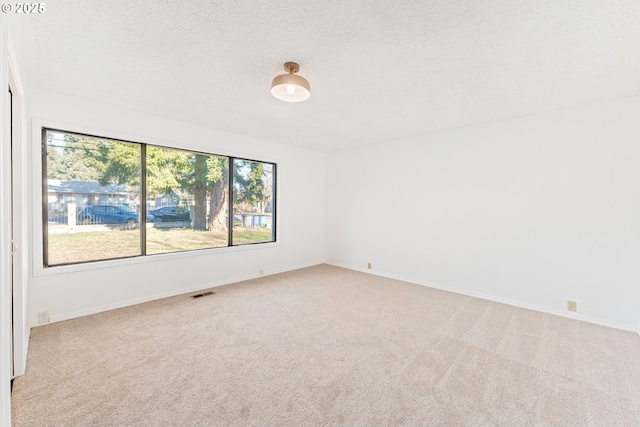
{"points": [[40, 271]]}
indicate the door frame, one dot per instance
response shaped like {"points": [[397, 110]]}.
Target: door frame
{"points": [[20, 205], [13, 292], [5, 239]]}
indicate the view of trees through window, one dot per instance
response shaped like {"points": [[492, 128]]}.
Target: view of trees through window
{"points": [[252, 201], [186, 199], [95, 197]]}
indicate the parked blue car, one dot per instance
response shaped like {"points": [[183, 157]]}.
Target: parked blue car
{"points": [[108, 214]]}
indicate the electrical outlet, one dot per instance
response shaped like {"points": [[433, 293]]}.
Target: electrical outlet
{"points": [[369, 266], [571, 306], [43, 317]]}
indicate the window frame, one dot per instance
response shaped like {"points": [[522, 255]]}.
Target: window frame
{"points": [[273, 203], [44, 127]]}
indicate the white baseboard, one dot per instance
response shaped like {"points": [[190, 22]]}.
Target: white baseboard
{"points": [[543, 309], [154, 297]]}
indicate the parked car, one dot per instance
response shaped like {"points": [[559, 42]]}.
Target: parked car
{"points": [[108, 214], [171, 213]]}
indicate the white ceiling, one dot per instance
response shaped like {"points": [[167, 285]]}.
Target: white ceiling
{"points": [[378, 70]]}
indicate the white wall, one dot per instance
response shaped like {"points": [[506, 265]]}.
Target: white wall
{"points": [[533, 211], [77, 290]]}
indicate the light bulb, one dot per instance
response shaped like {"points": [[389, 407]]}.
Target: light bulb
{"points": [[291, 89]]}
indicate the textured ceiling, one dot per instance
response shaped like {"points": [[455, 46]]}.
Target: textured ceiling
{"points": [[378, 70]]}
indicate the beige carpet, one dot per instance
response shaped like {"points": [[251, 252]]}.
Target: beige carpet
{"points": [[328, 346]]}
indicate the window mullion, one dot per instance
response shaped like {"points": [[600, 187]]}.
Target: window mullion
{"points": [[143, 199], [230, 216]]}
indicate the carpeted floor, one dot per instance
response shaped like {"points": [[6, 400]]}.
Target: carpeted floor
{"points": [[328, 346]]}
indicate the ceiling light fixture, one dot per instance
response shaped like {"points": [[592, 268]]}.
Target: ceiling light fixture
{"points": [[290, 87]]}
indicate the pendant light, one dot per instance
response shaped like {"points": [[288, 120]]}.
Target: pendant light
{"points": [[290, 87]]}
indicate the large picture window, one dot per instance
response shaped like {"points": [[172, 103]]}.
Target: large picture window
{"points": [[106, 199]]}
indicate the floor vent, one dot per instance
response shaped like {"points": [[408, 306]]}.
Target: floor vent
{"points": [[204, 294]]}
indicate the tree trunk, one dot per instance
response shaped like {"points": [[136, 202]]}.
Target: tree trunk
{"points": [[218, 203], [200, 195]]}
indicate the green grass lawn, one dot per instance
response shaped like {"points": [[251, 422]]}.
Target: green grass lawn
{"points": [[96, 245]]}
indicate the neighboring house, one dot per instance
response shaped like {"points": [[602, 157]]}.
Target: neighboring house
{"points": [[82, 193], [170, 198]]}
